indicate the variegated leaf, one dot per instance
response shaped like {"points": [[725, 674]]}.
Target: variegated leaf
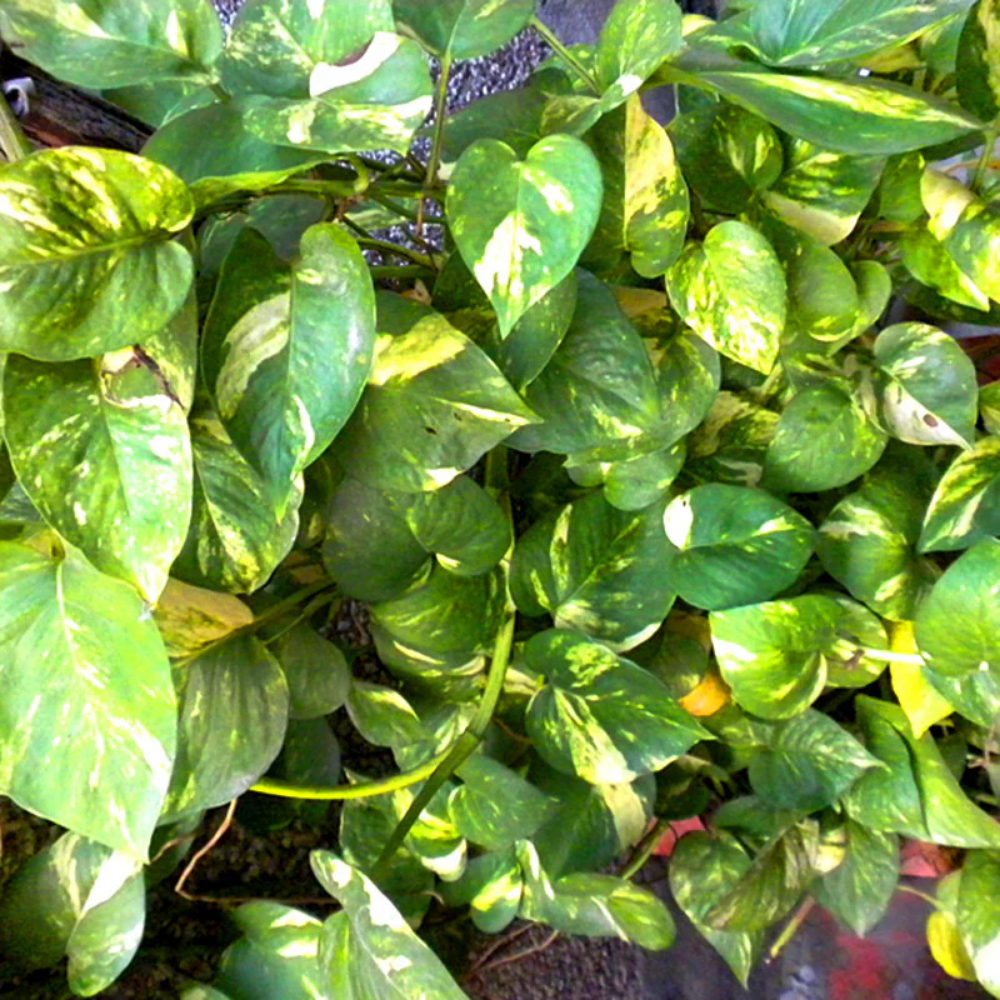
{"points": [[491, 886], [977, 64], [599, 716], [107, 464], [80, 899], [802, 33], [232, 720], [645, 208], [521, 225], [595, 569], [730, 289], [728, 545], [87, 710], [731, 445], [93, 271], [236, 538], [190, 618], [287, 355], [929, 396], [316, 670], [463, 29], [434, 405], [368, 951], [965, 506], [772, 654], [115, 43]]}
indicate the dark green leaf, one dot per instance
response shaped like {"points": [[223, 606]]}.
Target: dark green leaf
{"points": [[114, 43], [383, 716], [730, 289], [491, 886], [808, 764], [521, 225], [110, 469], [729, 546], [463, 29], [977, 62], [316, 671], [596, 569], [86, 262], [599, 716], [731, 445], [87, 709], [513, 117]]}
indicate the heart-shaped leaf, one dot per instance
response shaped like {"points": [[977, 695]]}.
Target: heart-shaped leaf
{"points": [[521, 225], [463, 29]]}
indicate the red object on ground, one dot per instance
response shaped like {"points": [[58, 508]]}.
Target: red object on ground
{"points": [[677, 830]]}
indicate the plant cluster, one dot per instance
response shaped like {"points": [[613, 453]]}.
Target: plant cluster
{"points": [[654, 514]]}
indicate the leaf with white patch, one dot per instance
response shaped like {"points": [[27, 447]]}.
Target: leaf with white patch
{"points": [[87, 264], [731, 445], [115, 43], [368, 951], [730, 289], [521, 225], [80, 899], [87, 709], [108, 469], [232, 719], [434, 405], [595, 569], [728, 545], [965, 506], [599, 716], [236, 538]]}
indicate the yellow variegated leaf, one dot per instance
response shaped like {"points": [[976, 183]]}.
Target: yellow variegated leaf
{"points": [[921, 702]]}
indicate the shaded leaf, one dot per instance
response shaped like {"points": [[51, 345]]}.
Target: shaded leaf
{"points": [[464, 29], [190, 618], [316, 671], [977, 70]]}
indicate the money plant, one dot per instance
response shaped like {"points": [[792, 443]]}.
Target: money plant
{"points": [[602, 472]]}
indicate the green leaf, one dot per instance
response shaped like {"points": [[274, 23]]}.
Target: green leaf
{"points": [[808, 764], [977, 68], [236, 537], [599, 716], [636, 38], [288, 355], [823, 193], [463, 29], [798, 33], [858, 891], [703, 869], [378, 543], [928, 261], [989, 407], [978, 915], [76, 898], [521, 225], [728, 154], [731, 445], [86, 262], [233, 713], [494, 806], [943, 936], [772, 884], [958, 625], [772, 654], [114, 43], [87, 707], [965, 506], [730, 289], [930, 394], [645, 207], [446, 614], [595, 569], [383, 716], [191, 618], [491, 886], [824, 439], [316, 671], [867, 543], [593, 905], [368, 952], [108, 468], [599, 387], [847, 665], [276, 957], [728, 545], [861, 118], [434, 405]]}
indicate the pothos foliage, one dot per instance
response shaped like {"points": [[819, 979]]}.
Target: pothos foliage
{"points": [[654, 513]]}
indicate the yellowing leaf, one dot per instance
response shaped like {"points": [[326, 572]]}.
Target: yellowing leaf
{"points": [[922, 703], [190, 618]]}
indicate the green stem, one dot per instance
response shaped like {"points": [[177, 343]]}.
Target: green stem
{"points": [[323, 189], [440, 111], [14, 143], [394, 206], [550, 39], [644, 849], [986, 158], [919, 894], [307, 612], [392, 248], [888, 656], [791, 928], [461, 749], [363, 790]]}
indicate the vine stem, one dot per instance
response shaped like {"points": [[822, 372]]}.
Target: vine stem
{"points": [[791, 928], [645, 847], [984, 161], [14, 143], [550, 39], [888, 656], [440, 110], [461, 749]]}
